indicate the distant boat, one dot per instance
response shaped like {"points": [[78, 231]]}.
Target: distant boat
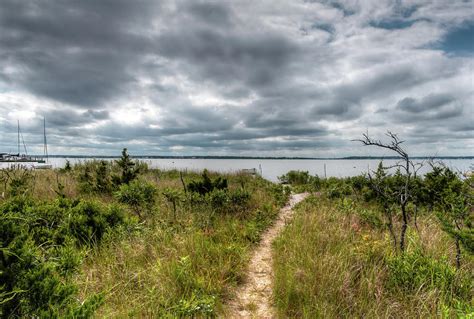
{"points": [[44, 164], [25, 158]]}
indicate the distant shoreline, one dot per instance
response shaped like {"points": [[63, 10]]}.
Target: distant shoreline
{"points": [[266, 158]]}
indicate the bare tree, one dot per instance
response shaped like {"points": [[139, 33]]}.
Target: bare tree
{"points": [[408, 170]]}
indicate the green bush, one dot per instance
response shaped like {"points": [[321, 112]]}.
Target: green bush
{"points": [[295, 178], [196, 306], [103, 184], [207, 185], [338, 190], [129, 169], [413, 271], [218, 199], [280, 193], [371, 218], [35, 280], [39, 254], [228, 201], [16, 181], [85, 177], [239, 198], [140, 195], [358, 183], [89, 221]]}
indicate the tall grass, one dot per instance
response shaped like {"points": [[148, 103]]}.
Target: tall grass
{"points": [[182, 264], [335, 261], [179, 254]]}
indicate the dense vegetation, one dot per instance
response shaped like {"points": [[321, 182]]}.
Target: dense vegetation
{"points": [[116, 239], [341, 256]]}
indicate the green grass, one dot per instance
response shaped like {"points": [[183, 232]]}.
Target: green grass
{"points": [[174, 255], [335, 261], [183, 265]]}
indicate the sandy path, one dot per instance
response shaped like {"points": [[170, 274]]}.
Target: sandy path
{"points": [[254, 298]]}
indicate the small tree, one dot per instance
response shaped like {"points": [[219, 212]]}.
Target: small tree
{"points": [[207, 185], [453, 201], [380, 185], [67, 167], [173, 196], [138, 195], [86, 181], [406, 171], [128, 169], [102, 178], [17, 180]]}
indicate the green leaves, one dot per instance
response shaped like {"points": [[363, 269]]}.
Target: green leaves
{"points": [[206, 185], [39, 255], [128, 169], [138, 194]]}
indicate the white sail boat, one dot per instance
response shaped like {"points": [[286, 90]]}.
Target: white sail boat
{"points": [[45, 163], [18, 157]]}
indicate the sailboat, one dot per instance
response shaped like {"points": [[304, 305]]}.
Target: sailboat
{"points": [[44, 163], [25, 158]]}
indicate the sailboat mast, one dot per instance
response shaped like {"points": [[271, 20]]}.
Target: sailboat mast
{"points": [[45, 142]]}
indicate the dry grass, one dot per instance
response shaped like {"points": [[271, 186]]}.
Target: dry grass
{"points": [[167, 267], [330, 264]]}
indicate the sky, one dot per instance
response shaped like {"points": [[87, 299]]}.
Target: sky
{"points": [[237, 78]]}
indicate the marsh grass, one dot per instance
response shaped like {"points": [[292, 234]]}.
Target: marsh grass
{"points": [[181, 263], [180, 258], [335, 261]]}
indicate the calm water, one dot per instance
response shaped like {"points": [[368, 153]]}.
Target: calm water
{"points": [[271, 169]]}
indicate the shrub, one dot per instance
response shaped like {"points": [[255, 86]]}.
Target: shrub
{"points": [[218, 199], [67, 167], [371, 218], [173, 196], [338, 190], [85, 178], [196, 306], [410, 272], [231, 202], [316, 182], [207, 185], [102, 178], [138, 195], [16, 181], [280, 193], [295, 178], [35, 280], [89, 221], [358, 183], [128, 169], [239, 198]]}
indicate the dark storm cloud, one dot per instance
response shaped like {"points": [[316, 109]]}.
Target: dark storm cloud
{"points": [[73, 118], [431, 107], [345, 101], [76, 52], [256, 60], [427, 103], [213, 13]]}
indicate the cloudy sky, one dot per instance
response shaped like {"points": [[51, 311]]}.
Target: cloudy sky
{"points": [[241, 77]]}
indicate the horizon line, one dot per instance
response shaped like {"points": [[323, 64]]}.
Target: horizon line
{"points": [[253, 157]]}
